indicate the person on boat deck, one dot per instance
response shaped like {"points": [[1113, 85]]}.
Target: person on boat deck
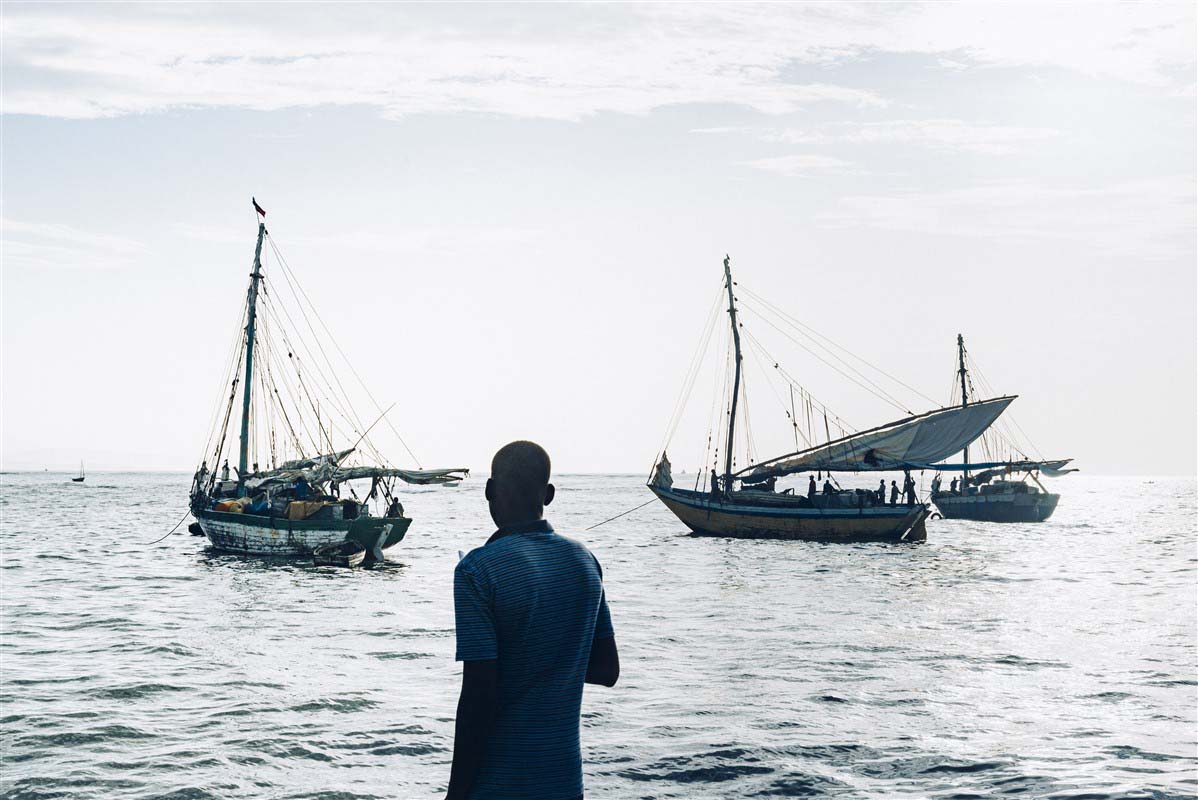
{"points": [[894, 493], [771, 485], [811, 488], [224, 471], [532, 627], [395, 509], [881, 493], [260, 505], [952, 487], [828, 485], [201, 477], [302, 489], [909, 488], [936, 484], [715, 485]]}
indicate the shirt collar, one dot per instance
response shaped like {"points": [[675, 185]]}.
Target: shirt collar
{"points": [[531, 526]]}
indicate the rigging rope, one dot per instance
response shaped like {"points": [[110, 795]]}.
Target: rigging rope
{"points": [[813, 332], [617, 516], [378, 406], [868, 386]]}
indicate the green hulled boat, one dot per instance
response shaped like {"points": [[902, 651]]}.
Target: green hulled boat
{"points": [[282, 374]]}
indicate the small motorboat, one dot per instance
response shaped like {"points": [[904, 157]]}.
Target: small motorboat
{"points": [[340, 554]]}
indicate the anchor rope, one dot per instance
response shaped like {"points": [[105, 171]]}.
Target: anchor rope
{"points": [[172, 530], [621, 514]]}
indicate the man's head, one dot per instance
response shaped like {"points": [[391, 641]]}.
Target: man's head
{"points": [[519, 488]]}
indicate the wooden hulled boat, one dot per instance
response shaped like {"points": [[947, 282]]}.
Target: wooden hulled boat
{"points": [[763, 515], [295, 507], [984, 491], [744, 503]]}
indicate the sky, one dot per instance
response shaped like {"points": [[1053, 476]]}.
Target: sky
{"points": [[513, 218]]}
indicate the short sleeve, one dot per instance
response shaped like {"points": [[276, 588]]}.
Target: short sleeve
{"points": [[473, 616], [603, 628]]}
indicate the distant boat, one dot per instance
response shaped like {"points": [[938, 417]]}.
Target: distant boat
{"points": [[743, 503], [988, 495], [295, 507], [82, 475]]}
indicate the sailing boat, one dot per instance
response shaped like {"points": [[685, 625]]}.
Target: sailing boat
{"points": [[988, 495], [293, 506], [744, 503], [81, 476]]}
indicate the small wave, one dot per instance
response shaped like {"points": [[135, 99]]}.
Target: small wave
{"points": [[390, 656], [94, 736], [339, 704], [829, 698], [963, 767], [133, 691]]}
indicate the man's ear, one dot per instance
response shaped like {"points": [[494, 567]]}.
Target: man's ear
{"points": [[549, 492], [487, 490]]}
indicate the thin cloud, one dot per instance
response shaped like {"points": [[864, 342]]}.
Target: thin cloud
{"points": [[553, 62], [942, 134], [54, 245], [793, 166], [1150, 218]]}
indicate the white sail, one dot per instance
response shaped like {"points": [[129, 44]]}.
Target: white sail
{"points": [[913, 442]]}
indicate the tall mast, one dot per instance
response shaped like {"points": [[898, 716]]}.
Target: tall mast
{"points": [[736, 379], [964, 391], [255, 276]]}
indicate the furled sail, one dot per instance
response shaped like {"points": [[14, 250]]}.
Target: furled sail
{"points": [[912, 442], [326, 472], [1053, 469]]}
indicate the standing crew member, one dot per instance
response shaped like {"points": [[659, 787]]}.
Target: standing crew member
{"points": [[881, 491], [894, 493], [224, 471], [532, 627], [811, 489]]}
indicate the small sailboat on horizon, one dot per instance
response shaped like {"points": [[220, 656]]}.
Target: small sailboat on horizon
{"points": [[81, 476]]}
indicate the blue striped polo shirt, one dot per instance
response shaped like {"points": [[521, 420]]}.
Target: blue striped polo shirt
{"points": [[533, 601]]}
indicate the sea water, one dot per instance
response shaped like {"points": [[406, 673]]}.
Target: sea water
{"points": [[1050, 660]]}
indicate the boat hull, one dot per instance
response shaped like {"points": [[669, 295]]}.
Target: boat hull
{"points": [[772, 520], [277, 536], [998, 507]]}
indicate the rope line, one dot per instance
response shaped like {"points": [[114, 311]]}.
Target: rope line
{"points": [[617, 516], [172, 530]]}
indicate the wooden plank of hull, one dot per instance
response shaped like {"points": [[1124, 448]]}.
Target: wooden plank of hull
{"points": [[886, 524], [276, 536], [998, 507]]}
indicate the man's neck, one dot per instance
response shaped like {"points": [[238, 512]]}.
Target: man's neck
{"points": [[535, 525]]}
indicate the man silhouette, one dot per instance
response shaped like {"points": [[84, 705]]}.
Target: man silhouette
{"points": [[532, 627]]}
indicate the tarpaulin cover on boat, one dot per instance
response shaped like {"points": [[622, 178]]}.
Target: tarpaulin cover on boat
{"points": [[911, 442], [326, 471]]}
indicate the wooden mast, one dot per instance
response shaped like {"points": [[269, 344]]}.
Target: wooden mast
{"points": [[964, 399], [735, 380], [255, 277]]}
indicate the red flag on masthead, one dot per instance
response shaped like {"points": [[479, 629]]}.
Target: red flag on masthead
{"points": [[257, 207]]}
